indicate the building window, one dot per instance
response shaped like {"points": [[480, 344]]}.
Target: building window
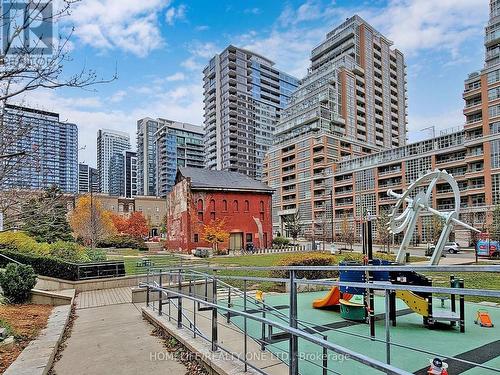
{"points": [[495, 154], [495, 188], [224, 205], [235, 205], [200, 216], [261, 206], [247, 206], [196, 237], [200, 204], [249, 237], [212, 215], [212, 205]]}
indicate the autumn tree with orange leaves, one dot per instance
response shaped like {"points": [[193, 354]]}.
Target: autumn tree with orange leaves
{"points": [[120, 223], [134, 226], [137, 226], [90, 222], [215, 233]]}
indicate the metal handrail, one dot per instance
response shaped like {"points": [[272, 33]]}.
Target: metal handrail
{"points": [[377, 285], [374, 363], [189, 272], [191, 324], [426, 268], [266, 307]]}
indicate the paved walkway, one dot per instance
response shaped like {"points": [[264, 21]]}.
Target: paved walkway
{"points": [[109, 336], [104, 297], [230, 337], [448, 261]]}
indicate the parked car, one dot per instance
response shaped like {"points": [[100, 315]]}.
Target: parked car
{"points": [[249, 247], [201, 253], [452, 247], [430, 250], [333, 249]]}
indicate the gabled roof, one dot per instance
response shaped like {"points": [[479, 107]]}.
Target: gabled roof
{"points": [[207, 179]]}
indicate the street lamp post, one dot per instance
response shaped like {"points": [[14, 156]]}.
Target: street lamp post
{"points": [[331, 211]]}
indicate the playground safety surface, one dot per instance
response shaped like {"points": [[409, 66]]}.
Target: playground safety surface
{"points": [[477, 344]]}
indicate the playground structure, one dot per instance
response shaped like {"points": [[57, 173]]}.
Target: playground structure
{"points": [[190, 296], [352, 300], [417, 199]]}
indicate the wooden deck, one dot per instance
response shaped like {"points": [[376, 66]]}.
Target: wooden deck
{"points": [[104, 297]]}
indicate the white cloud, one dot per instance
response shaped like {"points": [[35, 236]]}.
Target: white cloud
{"points": [[200, 53], [294, 59], [175, 13], [308, 11], [450, 119], [202, 28], [182, 102], [118, 96], [414, 26], [204, 50], [129, 25], [192, 64], [254, 11], [179, 76]]}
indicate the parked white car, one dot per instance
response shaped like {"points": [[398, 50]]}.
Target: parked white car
{"points": [[333, 249], [452, 247]]}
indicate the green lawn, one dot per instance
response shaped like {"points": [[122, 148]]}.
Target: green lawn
{"points": [[132, 259], [472, 280]]}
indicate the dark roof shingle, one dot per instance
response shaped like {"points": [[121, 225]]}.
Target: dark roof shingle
{"points": [[212, 179]]}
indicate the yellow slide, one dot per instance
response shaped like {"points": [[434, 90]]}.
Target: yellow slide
{"points": [[414, 302], [331, 299]]}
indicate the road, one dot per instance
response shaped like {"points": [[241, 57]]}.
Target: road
{"points": [[465, 253]]}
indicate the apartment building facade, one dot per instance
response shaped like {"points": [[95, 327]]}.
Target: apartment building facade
{"points": [[361, 184], [351, 103], [178, 144], [87, 179], [130, 174], [50, 147], [471, 153], [243, 97], [146, 156], [109, 143], [123, 174]]}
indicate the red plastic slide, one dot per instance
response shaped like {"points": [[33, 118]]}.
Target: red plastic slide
{"points": [[331, 299]]}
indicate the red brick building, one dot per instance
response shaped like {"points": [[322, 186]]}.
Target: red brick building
{"points": [[201, 196]]}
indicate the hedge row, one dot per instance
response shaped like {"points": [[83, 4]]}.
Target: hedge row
{"points": [[122, 242], [309, 260], [43, 265]]}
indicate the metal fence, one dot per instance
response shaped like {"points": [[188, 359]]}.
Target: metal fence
{"points": [[174, 287]]}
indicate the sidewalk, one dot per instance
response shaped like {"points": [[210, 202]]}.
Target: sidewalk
{"points": [[109, 336], [448, 261]]}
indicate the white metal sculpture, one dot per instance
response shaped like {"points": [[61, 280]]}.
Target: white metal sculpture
{"points": [[422, 202]]}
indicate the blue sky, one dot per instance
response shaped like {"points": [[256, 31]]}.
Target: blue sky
{"points": [[159, 48]]}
